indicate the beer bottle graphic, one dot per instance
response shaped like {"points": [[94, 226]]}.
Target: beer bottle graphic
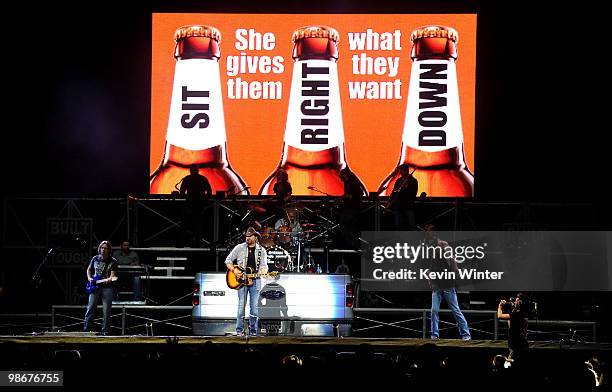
{"points": [[313, 151], [196, 126], [432, 141]]}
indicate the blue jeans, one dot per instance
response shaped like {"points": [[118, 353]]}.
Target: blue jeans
{"points": [[136, 288], [450, 295], [253, 293], [106, 294]]}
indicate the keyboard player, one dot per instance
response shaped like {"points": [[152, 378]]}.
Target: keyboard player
{"points": [[128, 263]]}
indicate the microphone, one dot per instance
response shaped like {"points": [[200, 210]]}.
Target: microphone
{"points": [[310, 187], [51, 251]]}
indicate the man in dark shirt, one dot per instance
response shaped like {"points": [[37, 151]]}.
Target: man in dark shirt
{"points": [[443, 288], [102, 270], [401, 200], [196, 189], [351, 205], [248, 254], [125, 255], [517, 325], [283, 191], [128, 257], [195, 186], [282, 188]]}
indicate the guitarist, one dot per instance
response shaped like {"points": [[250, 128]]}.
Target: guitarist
{"points": [[283, 191], [282, 188], [350, 208], [401, 200], [102, 268], [248, 254]]}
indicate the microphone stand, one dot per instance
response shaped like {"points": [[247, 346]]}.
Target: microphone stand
{"points": [[238, 191], [299, 256], [312, 188], [246, 215], [147, 296], [37, 280], [245, 323]]}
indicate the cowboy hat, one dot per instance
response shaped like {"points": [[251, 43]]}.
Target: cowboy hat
{"points": [[251, 231]]}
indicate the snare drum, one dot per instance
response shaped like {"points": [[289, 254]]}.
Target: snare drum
{"points": [[279, 259]]}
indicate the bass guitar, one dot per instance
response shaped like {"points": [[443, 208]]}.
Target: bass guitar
{"points": [[92, 286], [248, 278]]}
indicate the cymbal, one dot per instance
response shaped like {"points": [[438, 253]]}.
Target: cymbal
{"points": [[294, 205], [256, 208]]}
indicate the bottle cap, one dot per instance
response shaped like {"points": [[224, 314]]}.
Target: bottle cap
{"points": [[197, 41], [434, 32], [316, 32], [197, 31], [434, 42], [315, 42]]}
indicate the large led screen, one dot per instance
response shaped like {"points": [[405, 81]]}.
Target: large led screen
{"points": [[244, 95]]}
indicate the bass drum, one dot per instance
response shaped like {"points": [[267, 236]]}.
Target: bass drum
{"points": [[279, 259], [267, 237]]}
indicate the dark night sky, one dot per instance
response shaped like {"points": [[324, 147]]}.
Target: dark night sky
{"points": [[77, 85]]}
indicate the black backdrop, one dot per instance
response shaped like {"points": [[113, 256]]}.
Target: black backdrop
{"points": [[77, 80]]}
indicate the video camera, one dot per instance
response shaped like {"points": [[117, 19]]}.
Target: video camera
{"points": [[507, 305], [526, 306]]}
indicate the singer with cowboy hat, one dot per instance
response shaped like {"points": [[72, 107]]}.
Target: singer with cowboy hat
{"points": [[248, 254]]}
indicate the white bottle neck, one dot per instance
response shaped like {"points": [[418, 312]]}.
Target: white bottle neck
{"points": [[433, 115], [196, 120], [314, 116]]}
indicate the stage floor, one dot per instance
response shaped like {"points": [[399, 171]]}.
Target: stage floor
{"points": [[77, 338]]}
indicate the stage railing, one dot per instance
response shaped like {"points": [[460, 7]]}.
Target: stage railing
{"points": [[423, 318], [575, 331], [127, 313]]}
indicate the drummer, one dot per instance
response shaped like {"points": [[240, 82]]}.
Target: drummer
{"points": [[288, 227]]}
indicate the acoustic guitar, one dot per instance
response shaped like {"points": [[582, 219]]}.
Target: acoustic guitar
{"points": [[247, 279]]}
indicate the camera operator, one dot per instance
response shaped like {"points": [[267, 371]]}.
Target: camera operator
{"points": [[516, 311]]}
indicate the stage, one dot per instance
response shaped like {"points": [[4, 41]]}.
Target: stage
{"points": [[182, 360]]}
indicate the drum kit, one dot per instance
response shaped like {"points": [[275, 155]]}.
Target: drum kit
{"points": [[289, 239]]}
